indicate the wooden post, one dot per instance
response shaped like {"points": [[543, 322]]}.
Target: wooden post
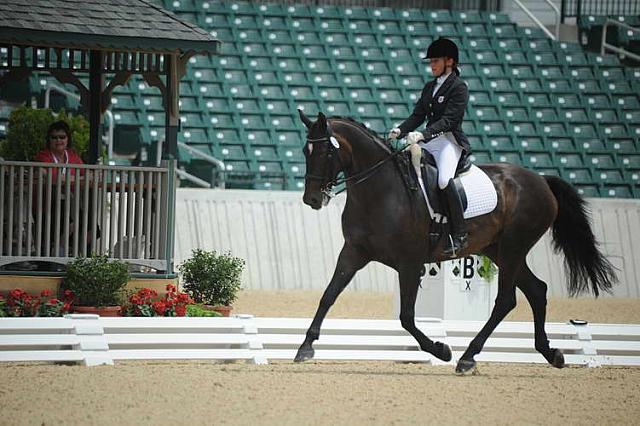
{"points": [[95, 105]]}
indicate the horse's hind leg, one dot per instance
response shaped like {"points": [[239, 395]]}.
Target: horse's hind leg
{"points": [[409, 281], [350, 261], [535, 291]]}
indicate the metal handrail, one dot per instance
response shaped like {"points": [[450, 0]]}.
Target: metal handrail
{"points": [[197, 153], [604, 45], [539, 23], [191, 178], [108, 113]]}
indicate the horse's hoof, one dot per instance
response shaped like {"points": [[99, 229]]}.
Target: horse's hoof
{"points": [[304, 354], [558, 359], [443, 352], [465, 366]]}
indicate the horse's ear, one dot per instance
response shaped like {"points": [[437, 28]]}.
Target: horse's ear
{"points": [[307, 122], [322, 121]]}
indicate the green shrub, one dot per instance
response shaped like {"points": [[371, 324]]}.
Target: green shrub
{"points": [[198, 311], [97, 281], [488, 269], [212, 278], [27, 133]]}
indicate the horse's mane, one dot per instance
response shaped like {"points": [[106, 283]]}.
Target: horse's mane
{"points": [[374, 135]]}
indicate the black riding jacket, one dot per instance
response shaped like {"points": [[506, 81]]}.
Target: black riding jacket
{"points": [[443, 112]]}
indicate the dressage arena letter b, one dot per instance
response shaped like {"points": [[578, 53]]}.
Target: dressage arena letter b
{"points": [[468, 269]]}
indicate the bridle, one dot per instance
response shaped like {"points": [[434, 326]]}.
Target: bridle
{"points": [[327, 182]]}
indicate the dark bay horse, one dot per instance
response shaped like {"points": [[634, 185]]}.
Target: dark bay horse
{"points": [[383, 221]]}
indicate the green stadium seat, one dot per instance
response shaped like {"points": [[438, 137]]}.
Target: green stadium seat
{"points": [[355, 79], [253, 121], [600, 161], [532, 144], [309, 106], [522, 71], [577, 176], [568, 160], [621, 145], [505, 30], [625, 102], [563, 144], [545, 114], [501, 143], [515, 113], [538, 160], [275, 22], [507, 157], [574, 114], [390, 95], [484, 98], [302, 93], [307, 37], [325, 78], [509, 44], [616, 191], [486, 113], [479, 157], [523, 129], [552, 129], [336, 107]]}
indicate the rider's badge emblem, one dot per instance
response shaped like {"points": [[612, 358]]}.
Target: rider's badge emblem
{"points": [[440, 99]]}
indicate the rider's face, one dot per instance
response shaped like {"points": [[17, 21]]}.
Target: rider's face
{"points": [[440, 66]]}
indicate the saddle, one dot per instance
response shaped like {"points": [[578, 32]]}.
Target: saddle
{"points": [[430, 179]]}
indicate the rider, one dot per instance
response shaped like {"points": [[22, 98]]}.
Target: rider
{"points": [[442, 104]]}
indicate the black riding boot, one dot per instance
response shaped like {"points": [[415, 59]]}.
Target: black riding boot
{"points": [[456, 221]]}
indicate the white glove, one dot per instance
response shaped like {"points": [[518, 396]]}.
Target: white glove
{"points": [[394, 133], [414, 137]]}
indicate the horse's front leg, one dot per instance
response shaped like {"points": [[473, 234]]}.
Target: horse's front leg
{"points": [[350, 261], [409, 281]]}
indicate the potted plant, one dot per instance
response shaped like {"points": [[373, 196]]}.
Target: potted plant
{"points": [[98, 284], [212, 279]]}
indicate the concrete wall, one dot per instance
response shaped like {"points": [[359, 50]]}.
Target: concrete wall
{"points": [[287, 245]]}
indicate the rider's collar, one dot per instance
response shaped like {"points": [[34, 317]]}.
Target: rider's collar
{"points": [[442, 78]]}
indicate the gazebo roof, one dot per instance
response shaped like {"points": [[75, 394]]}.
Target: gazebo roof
{"points": [[112, 25]]}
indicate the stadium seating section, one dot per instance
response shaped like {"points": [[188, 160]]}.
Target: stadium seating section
{"points": [[550, 106]]}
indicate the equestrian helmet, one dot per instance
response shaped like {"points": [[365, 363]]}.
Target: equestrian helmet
{"points": [[442, 47]]}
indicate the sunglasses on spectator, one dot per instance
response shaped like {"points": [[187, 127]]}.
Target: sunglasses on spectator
{"points": [[57, 137]]}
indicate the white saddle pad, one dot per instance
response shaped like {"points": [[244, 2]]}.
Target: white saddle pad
{"points": [[482, 197]]}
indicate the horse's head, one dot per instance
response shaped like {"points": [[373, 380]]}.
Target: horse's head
{"points": [[322, 154]]}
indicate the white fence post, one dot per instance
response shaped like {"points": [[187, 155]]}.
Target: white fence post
{"points": [[584, 336], [254, 341], [93, 343]]}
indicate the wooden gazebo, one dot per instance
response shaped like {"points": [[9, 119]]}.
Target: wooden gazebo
{"points": [[109, 41]]}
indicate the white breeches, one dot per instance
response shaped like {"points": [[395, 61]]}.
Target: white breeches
{"points": [[447, 153]]}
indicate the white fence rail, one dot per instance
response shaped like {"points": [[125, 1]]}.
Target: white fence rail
{"points": [[94, 340]]}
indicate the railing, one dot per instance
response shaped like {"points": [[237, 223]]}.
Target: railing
{"points": [[578, 8], [539, 23], [94, 340], [55, 212], [606, 46]]}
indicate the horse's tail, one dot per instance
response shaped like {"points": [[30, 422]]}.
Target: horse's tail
{"points": [[572, 233]]}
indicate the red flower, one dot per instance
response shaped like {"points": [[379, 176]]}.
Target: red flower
{"points": [[171, 288], [53, 301], [159, 307], [181, 310], [68, 295], [45, 293]]}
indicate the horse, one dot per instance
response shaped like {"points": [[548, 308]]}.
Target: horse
{"points": [[383, 221]]}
